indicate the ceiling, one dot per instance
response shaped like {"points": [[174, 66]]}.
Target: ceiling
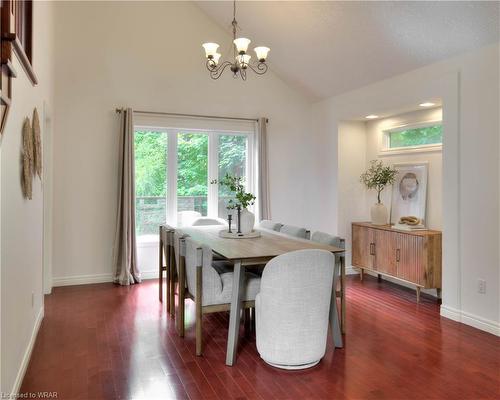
{"points": [[327, 48]]}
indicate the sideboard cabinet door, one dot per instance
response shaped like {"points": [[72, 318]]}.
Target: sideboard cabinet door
{"points": [[386, 244], [411, 265], [363, 247]]}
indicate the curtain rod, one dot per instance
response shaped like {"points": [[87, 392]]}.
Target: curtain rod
{"points": [[119, 110]]}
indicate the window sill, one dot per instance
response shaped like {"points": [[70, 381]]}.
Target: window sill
{"points": [[411, 150]]}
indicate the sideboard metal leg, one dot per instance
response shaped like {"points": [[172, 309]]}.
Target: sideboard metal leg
{"points": [[418, 294]]}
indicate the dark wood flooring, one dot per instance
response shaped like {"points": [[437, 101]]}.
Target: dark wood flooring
{"points": [[108, 342]]}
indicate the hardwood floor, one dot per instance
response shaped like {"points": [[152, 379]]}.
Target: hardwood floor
{"points": [[107, 342]]}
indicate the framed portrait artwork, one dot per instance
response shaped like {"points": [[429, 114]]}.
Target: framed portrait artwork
{"points": [[409, 191]]}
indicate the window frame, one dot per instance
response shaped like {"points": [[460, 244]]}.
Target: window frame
{"points": [[213, 165], [385, 148]]}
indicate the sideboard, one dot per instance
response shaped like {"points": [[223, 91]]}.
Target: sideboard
{"points": [[409, 256]]}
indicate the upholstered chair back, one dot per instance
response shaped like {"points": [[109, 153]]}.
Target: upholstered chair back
{"points": [[268, 224], [204, 221], [200, 255], [295, 231], [292, 308]]}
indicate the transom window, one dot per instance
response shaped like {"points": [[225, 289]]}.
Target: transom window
{"points": [[421, 137], [174, 168]]}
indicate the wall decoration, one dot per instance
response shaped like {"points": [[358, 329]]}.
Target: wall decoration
{"points": [[409, 191], [16, 32], [37, 144], [27, 159]]}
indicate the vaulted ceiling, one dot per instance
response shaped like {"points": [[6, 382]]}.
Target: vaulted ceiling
{"points": [[327, 48]]}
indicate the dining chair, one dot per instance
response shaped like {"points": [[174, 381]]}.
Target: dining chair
{"points": [[186, 218], [295, 231], [293, 308], [178, 274], [164, 260], [337, 241], [209, 284], [268, 224]]}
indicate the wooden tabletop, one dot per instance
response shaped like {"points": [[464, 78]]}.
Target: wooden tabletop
{"points": [[269, 245]]}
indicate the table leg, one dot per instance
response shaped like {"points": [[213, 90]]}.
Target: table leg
{"points": [[342, 293], [234, 316], [334, 319]]}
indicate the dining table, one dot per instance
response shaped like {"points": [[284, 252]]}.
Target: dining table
{"points": [[247, 252]]}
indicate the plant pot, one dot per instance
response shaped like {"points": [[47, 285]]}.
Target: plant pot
{"points": [[379, 214], [247, 221]]}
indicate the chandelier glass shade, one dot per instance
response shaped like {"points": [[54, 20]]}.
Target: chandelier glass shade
{"points": [[241, 62]]}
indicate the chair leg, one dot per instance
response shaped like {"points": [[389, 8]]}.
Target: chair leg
{"points": [[199, 313], [247, 321], [167, 280], [181, 298], [171, 264], [160, 269], [254, 319]]}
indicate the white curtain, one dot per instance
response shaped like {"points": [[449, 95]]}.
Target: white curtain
{"points": [[125, 249], [263, 171]]}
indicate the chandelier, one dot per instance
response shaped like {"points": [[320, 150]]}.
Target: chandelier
{"points": [[241, 62]]}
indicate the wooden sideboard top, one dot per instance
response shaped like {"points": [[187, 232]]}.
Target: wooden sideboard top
{"points": [[427, 232]]}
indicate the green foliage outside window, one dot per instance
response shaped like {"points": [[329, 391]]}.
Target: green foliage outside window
{"points": [[150, 163], [416, 137], [192, 172], [192, 164]]}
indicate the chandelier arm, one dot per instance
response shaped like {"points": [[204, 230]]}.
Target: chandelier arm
{"points": [[259, 69], [216, 71]]}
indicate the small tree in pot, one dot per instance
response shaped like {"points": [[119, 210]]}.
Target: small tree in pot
{"points": [[377, 177]]}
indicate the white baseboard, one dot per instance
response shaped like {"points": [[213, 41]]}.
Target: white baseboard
{"points": [[351, 271], [149, 274], [95, 278], [81, 279], [27, 354], [471, 320]]}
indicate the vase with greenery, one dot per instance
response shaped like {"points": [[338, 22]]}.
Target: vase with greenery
{"points": [[242, 199], [377, 177]]}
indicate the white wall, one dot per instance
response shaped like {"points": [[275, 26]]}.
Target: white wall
{"points": [[149, 56], [22, 220], [468, 85], [374, 135], [352, 153]]}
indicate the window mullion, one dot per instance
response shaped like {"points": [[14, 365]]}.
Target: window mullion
{"points": [[213, 173], [172, 177]]}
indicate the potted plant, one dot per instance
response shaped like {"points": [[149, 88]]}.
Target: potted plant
{"points": [[377, 177], [241, 201]]}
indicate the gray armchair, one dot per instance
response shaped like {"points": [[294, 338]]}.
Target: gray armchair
{"points": [[293, 307], [210, 285]]}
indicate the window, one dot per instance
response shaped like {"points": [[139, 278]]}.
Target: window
{"points": [[192, 172], [150, 180], [173, 170], [421, 137]]}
